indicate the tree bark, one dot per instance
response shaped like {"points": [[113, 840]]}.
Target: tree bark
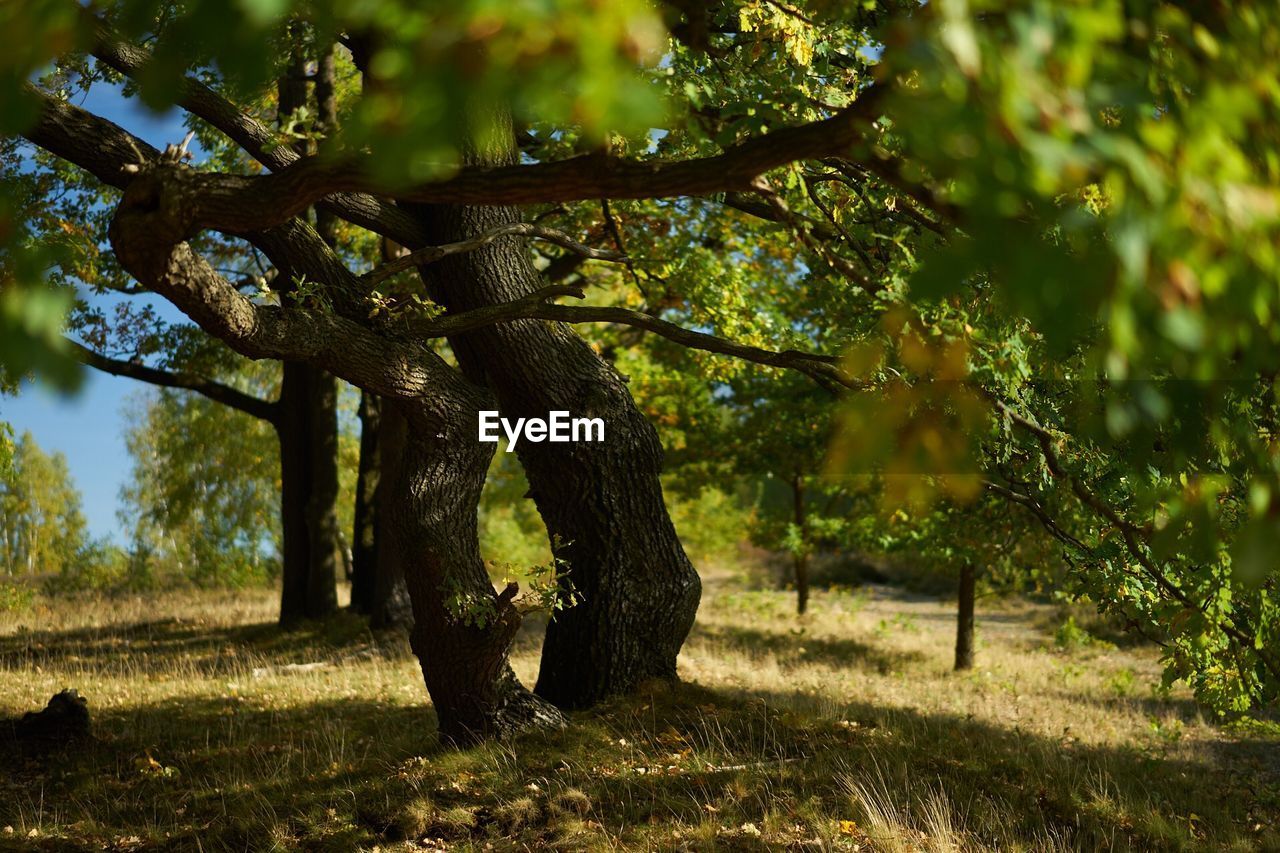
{"points": [[602, 502], [364, 544], [964, 617], [377, 586], [309, 426], [463, 630], [801, 556], [309, 480]]}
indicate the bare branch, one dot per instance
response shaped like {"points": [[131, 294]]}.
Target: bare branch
{"points": [[431, 254], [254, 137], [823, 369], [264, 409]]}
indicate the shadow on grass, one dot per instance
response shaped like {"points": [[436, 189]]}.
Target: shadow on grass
{"points": [[682, 767], [166, 644], [795, 648]]}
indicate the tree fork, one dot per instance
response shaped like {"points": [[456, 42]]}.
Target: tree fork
{"points": [[463, 630], [602, 502]]}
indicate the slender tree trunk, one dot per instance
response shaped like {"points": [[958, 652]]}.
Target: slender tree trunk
{"points": [[308, 433], [801, 556], [602, 502], [324, 538], [377, 584], [463, 630], [295, 550], [364, 545], [964, 617], [309, 428], [389, 601]]}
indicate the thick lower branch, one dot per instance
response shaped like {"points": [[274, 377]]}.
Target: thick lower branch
{"points": [[240, 204], [254, 137]]}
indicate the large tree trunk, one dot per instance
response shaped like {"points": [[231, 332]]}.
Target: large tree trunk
{"points": [[463, 630], [964, 617], [308, 431], [602, 502]]}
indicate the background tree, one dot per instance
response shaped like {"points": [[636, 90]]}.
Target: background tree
{"points": [[203, 502], [42, 529]]}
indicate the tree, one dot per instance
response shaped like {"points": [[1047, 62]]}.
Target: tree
{"points": [[310, 565], [204, 495], [42, 530], [999, 219]]}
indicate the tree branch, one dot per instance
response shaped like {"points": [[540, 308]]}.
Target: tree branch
{"points": [[250, 134], [238, 204], [1131, 534], [431, 254], [823, 369], [263, 409], [111, 154]]}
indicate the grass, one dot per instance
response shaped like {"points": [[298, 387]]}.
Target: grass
{"points": [[846, 730]]}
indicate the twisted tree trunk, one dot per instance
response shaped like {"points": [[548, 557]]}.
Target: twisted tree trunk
{"points": [[463, 630], [602, 502]]}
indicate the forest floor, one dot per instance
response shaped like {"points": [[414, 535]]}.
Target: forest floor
{"points": [[844, 730]]}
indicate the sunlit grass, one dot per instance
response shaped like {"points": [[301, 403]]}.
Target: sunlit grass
{"points": [[845, 730]]}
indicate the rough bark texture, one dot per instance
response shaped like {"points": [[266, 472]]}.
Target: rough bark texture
{"points": [[964, 617], [243, 203], [601, 501], [463, 630], [434, 497]]}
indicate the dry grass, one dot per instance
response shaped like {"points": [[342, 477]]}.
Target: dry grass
{"points": [[846, 730]]}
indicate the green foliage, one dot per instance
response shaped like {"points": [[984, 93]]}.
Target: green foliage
{"points": [[42, 529], [712, 522], [99, 566], [203, 502], [1071, 636], [546, 588], [511, 531], [32, 311], [6, 451], [16, 597]]}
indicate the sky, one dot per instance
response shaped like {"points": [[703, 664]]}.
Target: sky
{"points": [[89, 427]]}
